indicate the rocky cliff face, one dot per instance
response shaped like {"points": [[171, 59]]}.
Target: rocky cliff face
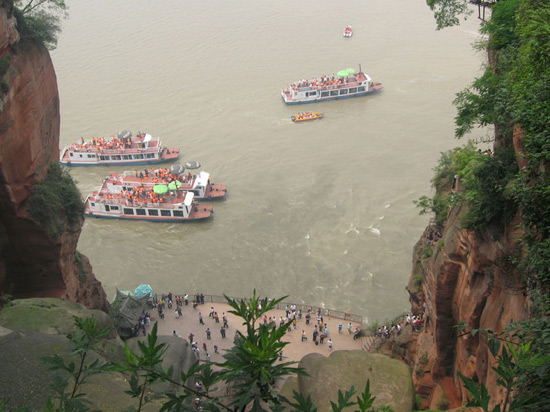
{"points": [[31, 262], [467, 279]]}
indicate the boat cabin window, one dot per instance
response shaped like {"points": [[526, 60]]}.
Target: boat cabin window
{"points": [[91, 156], [80, 156], [361, 89], [334, 92], [128, 211], [140, 212], [165, 213], [343, 91], [126, 157], [104, 157], [314, 93], [324, 94], [153, 212], [178, 213], [353, 90], [150, 155], [138, 156], [107, 208], [71, 154], [92, 204], [114, 207]]}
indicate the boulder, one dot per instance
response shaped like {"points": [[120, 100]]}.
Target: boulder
{"points": [[390, 380]]}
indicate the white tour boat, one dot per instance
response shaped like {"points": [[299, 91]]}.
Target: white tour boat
{"points": [[345, 84], [122, 149]]}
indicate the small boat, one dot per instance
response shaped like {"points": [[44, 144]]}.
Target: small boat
{"points": [[140, 204], [199, 184], [348, 31], [123, 149], [302, 117], [346, 83]]}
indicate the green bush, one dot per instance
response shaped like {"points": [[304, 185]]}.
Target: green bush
{"points": [[40, 21], [4, 65], [423, 360], [418, 402], [427, 252], [56, 201], [82, 271], [443, 402], [417, 280]]}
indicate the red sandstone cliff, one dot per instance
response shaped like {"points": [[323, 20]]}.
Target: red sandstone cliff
{"points": [[32, 263], [468, 279]]}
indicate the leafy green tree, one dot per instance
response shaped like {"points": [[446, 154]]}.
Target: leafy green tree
{"points": [[447, 13]]}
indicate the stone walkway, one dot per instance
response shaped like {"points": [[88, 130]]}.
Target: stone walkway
{"points": [[189, 323]]}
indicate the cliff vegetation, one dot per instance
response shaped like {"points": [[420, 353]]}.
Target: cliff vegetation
{"points": [[491, 273]]}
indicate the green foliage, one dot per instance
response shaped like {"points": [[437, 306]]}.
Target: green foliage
{"points": [[418, 402], [417, 280], [516, 359], [447, 13], [83, 339], [145, 369], [39, 20], [56, 201], [423, 360], [4, 299], [4, 407], [484, 186], [486, 180], [4, 65], [484, 103], [443, 402], [250, 365], [427, 252], [501, 27], [438, 205], [82, 271]]}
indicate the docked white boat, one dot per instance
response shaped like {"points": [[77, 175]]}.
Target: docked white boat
{"points": [[199, 183], [138, 204], [344, 84]]}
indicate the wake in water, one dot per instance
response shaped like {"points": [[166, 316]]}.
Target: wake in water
{"points": [[351, 229]]}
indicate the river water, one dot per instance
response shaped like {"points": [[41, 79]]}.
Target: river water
{"points": [[321, 211]]}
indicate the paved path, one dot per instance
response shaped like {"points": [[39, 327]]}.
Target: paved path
{"points": [[189, 323]]}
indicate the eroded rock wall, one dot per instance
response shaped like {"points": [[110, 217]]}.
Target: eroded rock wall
{"points": [[32, 263], [468, 279]]}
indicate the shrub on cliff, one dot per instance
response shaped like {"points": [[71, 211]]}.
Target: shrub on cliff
{"points": [[39, 20], [56, 201]]}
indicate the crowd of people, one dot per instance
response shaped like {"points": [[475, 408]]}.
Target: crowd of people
{"points": [[306, 115], [100, 143], [433, 236], [323, 82]]}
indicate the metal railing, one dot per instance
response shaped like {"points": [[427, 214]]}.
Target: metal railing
{"points": [[282, 305]]}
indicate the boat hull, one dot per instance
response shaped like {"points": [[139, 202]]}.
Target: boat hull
{"points": [[168, 158], [324, 99], [148, 219]]}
